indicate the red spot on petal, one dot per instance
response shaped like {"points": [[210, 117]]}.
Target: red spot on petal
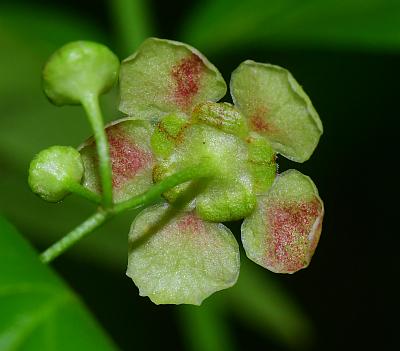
{"points": [[127, 159], [258, 121], [290, 246], [187, 74], [191, 223]]}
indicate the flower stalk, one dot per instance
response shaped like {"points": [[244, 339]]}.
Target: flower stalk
{"points": [[142, 200], [92, 108]]}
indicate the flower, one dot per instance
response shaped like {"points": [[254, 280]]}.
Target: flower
{"points": [[179, 252]]}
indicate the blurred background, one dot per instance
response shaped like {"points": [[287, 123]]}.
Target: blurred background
{"points": [[345, 53]]}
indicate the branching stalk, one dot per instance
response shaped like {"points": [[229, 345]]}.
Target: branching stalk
{"points": [[142, 200], [80, 190], [74, 236]]}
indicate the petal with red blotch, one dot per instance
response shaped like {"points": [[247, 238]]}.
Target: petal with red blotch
{"points": [[177, 258], [283, 232], [277, 108], [132, 159], [165, 76]]}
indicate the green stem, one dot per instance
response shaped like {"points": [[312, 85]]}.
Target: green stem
{"points": [[92, 108], [74, 236], [80, 190], [144, 199], [132, 21], [205, 328], [158, 189]]}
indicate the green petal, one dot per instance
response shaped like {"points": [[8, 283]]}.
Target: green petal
{"points": [[131, 158], [229, 194], [283, 232], [277, 107], [175, 257], [165, 76]]}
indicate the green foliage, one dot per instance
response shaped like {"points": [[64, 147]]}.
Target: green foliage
{"points": [[262, 303], [217, 25], [38, 311]]}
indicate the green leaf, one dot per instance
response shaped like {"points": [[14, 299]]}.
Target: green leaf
{"points": [[131, 158], [176, 258], [38, 311], [165, 76], [283, 232], [263, 304], [346, 24], [205, 327], [277, 107]]}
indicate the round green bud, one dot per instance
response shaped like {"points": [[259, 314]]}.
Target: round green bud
{"points": [[53, 170], [79, 69]]}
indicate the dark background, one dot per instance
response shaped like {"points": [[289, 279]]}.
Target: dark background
{"points": [[349, 290]]}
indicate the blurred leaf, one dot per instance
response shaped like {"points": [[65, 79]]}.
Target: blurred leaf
{"points": [[133, 23], [28, 121], [205, 328], [38, 312], [352, 24], [260, 301]]}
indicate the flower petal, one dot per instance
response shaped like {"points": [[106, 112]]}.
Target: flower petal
{"points": [[283, 232], [277, 107], [175, 257], [165, 76], [132, 160]]}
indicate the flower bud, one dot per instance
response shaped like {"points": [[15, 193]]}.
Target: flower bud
{"points": [[53, 170], [79, 69]]}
